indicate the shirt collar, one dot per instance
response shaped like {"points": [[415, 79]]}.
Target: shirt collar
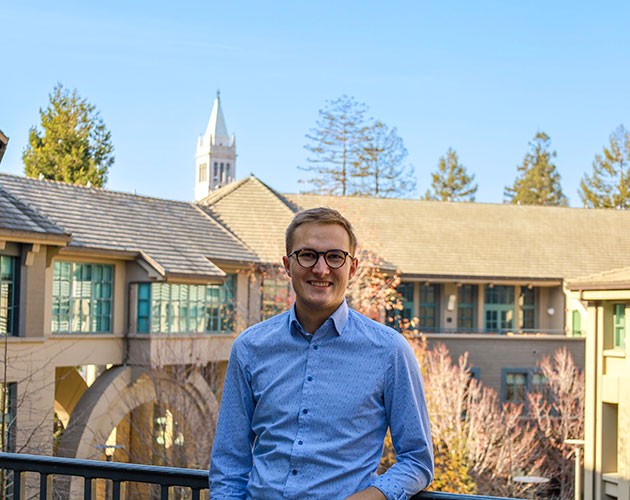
{"points": [[338, 319]]}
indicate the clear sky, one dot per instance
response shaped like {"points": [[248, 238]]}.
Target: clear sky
{"points": [[479, 76]]}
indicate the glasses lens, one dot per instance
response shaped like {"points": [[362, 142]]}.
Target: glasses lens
{"points": [[335, 258], [306, 258]]}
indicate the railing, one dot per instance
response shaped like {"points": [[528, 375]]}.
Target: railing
{"points": [[166, 478]]}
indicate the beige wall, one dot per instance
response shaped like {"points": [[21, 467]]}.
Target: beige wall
{"points": [[607, 402], [491, 353]]}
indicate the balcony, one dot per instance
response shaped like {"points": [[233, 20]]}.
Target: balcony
{"points": [[110, 479]]}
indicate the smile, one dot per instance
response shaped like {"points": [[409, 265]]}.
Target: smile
{"points": [[320, 283]]}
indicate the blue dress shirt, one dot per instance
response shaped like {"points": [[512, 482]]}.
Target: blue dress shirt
{"points": [[304, 416]]}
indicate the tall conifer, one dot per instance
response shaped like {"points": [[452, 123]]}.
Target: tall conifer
{"points": [[609, 184], [537, 181]]}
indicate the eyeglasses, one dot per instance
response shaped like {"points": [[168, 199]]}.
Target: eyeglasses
{"points": [[307, 257]]}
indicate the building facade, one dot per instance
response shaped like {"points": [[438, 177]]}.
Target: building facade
{"points": [[607, 399]]}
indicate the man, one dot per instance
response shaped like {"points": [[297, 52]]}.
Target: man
{"points": [[309, 394]]}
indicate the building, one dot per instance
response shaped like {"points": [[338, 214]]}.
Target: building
{"points": [[114, 309], [216, 154], [607, 399]]}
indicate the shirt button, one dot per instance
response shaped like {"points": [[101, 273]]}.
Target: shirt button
{"points": [[294, 472], [315, 347], [310, 379], [300, 442], [305, 411]]}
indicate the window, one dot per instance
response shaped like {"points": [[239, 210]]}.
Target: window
{"points": [[8, 295], [82, 297], [203, 172], [466, 306], [8, 400], [527, 302], [517, 382], [277, 296], [427, 312], [515, 386], [178, 308], [396, 317], [499, 308], [619, 326], [576, 324]]}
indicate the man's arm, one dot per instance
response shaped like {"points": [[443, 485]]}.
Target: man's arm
{"points": [[231, 461], [408, 421], [370, 493]]}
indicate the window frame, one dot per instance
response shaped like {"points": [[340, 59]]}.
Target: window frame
{"points": [[9, 306], [71, 304]]}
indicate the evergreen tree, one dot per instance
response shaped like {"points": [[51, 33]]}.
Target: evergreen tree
{"points": [[335, 146], [450, 181], [75, 145], [537, 182], [383, 171], [609, 184]]}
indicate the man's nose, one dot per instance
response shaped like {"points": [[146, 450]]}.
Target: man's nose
{"points": [[320, 266]]}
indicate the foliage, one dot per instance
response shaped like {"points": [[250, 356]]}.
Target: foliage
{"points": [[372, 291], [609, 184], [383, 171], [480, 445], [451, 182], [351, 155], [75, 145], [537, 182], [335, 146], [558, 415]]}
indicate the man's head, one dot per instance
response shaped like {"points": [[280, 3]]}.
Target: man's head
{"points": [[319, 277], [319, 215]]}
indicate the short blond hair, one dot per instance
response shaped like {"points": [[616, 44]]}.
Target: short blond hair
{"points": [[320, 215]]}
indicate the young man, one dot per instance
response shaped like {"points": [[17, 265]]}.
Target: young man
{"points": [[309, 394]]}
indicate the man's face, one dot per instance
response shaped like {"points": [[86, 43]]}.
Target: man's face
{"points": [[319, 290]]}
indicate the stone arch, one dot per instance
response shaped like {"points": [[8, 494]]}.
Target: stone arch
{"points": [[69, 387], [120, 390]]}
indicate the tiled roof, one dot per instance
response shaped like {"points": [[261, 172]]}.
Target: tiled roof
{"points": [[19, 218], [613, 279], [442, 239], [486, 240], [180, 238], [257, 214]]}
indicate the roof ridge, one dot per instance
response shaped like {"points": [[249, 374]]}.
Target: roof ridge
{"points": [[222, 192]]}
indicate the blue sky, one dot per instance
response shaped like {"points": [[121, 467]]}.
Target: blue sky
{"points": [[482, 77]]}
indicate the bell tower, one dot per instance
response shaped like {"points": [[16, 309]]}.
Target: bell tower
{"points": [[216, 154]]}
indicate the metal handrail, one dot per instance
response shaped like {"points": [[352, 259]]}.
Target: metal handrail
{"points": [[119, 472]]}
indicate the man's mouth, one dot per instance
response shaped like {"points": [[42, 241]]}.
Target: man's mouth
{"points": [[320, 283]]}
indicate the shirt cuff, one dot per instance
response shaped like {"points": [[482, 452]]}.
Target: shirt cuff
{"points": [[389, 488]]}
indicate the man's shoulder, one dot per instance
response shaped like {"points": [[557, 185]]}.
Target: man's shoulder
{"points": [[375, 331]]}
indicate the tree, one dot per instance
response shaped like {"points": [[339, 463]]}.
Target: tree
{"points": [[75, 145], [336, 145], [383, 171], [537, 182], [609, 184], [451, 182], [558, 415]]}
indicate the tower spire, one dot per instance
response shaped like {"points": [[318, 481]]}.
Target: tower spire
{"points": [[216, 154]]}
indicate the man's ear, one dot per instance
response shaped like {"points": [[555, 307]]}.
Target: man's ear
{"points": [[285, 262], [354, 265]]}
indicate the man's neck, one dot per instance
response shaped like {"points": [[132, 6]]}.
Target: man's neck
{"points": [[311, 320]]}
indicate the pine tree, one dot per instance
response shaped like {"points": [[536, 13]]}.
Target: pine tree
{"points": [[75, 145], [335, 146], [383, 171], [609, 184], [537, 182], [451, 182]]}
